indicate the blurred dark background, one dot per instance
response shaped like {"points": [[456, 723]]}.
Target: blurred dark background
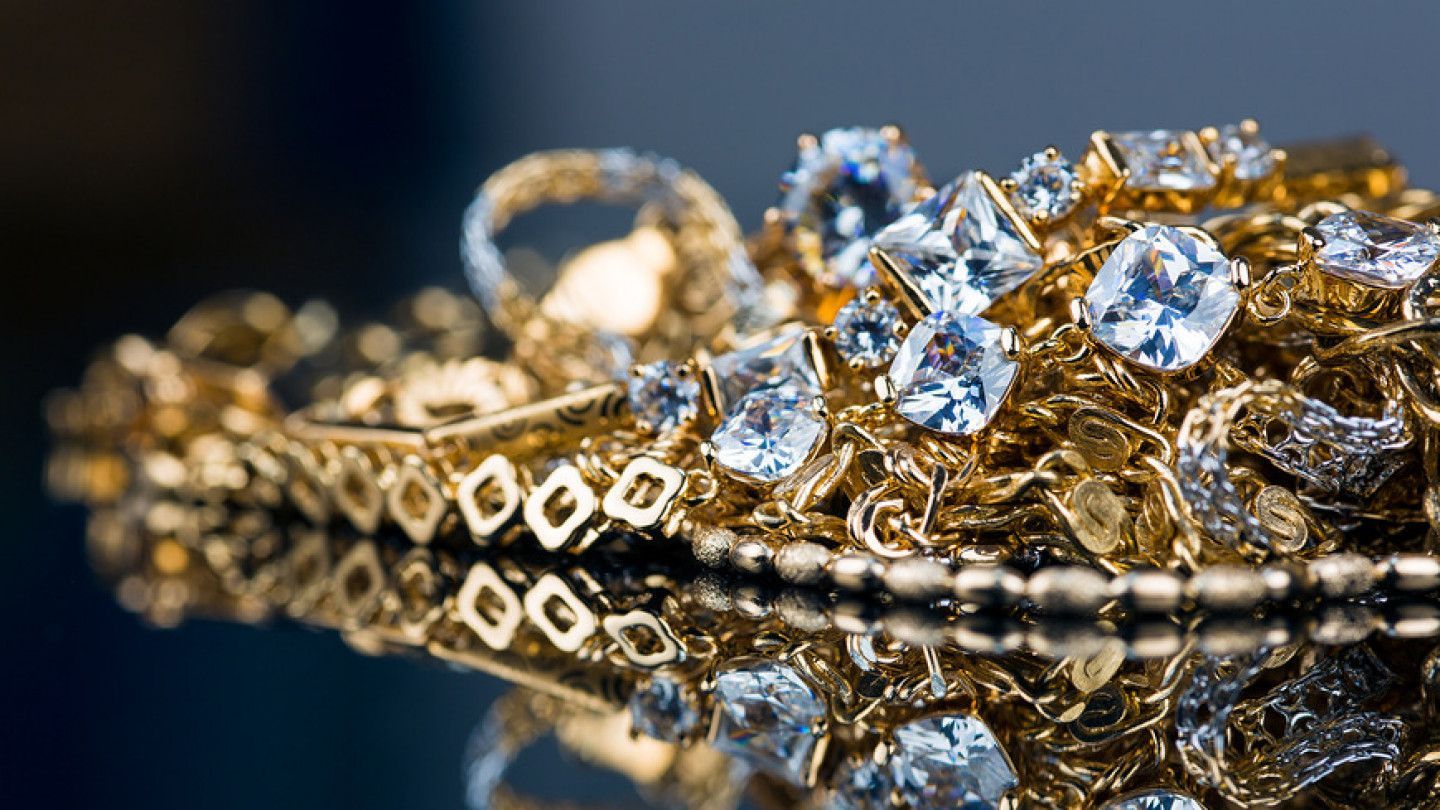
{"points": [[154, 152]]}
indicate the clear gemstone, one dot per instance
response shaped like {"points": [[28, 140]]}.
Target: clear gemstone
{"points": [[865, 331], [661, 711], [1043, 186], [1253, 156], [950, 761], [1164, 160], [860, 786], [851, 183], [779, 360], [1375, 250], [951, 373], [1162, 298], [1155, 800], [960, 248], [663, 395], [769, 433], [769, 717]]}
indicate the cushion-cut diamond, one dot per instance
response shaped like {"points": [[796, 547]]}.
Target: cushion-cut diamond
{"points": [[660, 710], [950, 761], [1044, 185], [865, 331], [769, 433], [1162, 298], [1375, 250], [1164, 160], [779, 360], [952, 373], [960, 248], [769, 717], [1253, 156], [663, 394], [845, 186], [1155, 800]]}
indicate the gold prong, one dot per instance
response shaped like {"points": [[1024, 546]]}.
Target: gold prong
{"points": [[806, 140], [1240, 272], [819, 360], [900, 329], [1011, 343], [710, 392], [829, 332], [644, 426], [855, 363], [1002, 202], [685, 370], [1080, 313], [707, 454], [893, 134], [821, 407], [885, 390], [871, 296], [1008, 185], [774, 218], [1118, 225], [1249, 126], [1078, 189], [1040, 217], [1310, 243], [911, 296], [1052, 152], [637, 370], [1208, 135], [884, 750]]}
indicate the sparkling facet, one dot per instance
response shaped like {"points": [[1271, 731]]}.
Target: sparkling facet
{"points": [[865, 331], [769, 433], [1043, 185], [849, 184], [860, 786], [769, 717], [781, 360], [1375, 250], [1155, 800], [1254, 159], [960, 248], [663, 394], [1164, 160], [951, 373], [951, 761], [1162, 298], [661, 711]]}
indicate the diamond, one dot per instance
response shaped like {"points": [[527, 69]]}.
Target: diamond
{"points": [[1044, 186], [1155, 800], [769, 434], [779, 360], [950, 761], [960, 248], [663, 395], [865, 331], [952, 373], [859, 786], [1162, 298], [844, 187], [768, 717], [1375, 250], [1254, 159], [661, 711], [1164, 160]]}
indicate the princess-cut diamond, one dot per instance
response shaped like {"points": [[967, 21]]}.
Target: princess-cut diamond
{"points": [[952, 373], [1164, 160]]}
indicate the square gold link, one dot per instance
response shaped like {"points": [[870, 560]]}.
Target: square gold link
{"points": [[644, 494], [356, 492], [489, 607], [554, 607], [560, 510], [485, 517], [357, 581], [644, 638], [308, 486], [415, 501]]}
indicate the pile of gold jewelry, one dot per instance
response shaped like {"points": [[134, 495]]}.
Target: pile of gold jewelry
{"points": [[1105, 484]]}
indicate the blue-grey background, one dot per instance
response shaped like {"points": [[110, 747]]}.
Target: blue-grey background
{"points": [[153, 152]]}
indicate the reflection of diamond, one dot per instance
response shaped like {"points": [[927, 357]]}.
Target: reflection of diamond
{"points": [[951, 373], [1375, 250], [663, 395], [1043, 186], [865, 331], [1155, 800], [779, 360], [1164, 160], [1162, 298], [950, 761], [844, 187], [769, 717], [1253, 157], [769, 434], [863, 786], [661, 711], [960, 248]]}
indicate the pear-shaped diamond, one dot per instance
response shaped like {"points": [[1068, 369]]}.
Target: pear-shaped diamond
{"points": [[1162, 298], [952, 373], [1375, 250], [950, 761], [769, 717], [961, 248]]}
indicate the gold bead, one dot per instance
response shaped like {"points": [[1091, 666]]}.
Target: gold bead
{"points": [[917, 578], [1341, 575], [1227, 587], [1149, 590], [801, 563], [751, 556], [856, 572], [1068, 589], [988, 585], [1412, 573]]}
